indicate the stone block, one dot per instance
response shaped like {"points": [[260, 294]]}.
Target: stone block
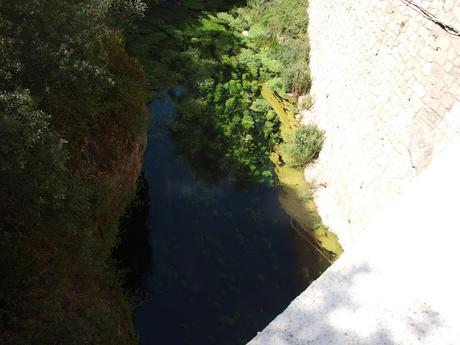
{"points": [[443, 42], [420, 152], [447, 100]]}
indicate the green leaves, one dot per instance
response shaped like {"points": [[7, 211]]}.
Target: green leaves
{"points": [[71, 104], [223, 58], [279, 37], [32, 155], [306, 146], [224, 119], [247, 122]]}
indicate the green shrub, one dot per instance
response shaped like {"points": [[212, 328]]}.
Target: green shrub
{"points": [[276, 84], [305, 102], [294, 55], [306, 146]]}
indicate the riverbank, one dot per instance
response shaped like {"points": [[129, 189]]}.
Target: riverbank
{"points": [[297, 194], [214, 189], [225, 119]]}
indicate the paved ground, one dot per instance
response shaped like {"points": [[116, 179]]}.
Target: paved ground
{"points": [[386, 83], [398, 284]]}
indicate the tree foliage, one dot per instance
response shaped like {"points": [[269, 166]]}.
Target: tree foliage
{"points": [[67, 86], [223, 128], [238, 135]]}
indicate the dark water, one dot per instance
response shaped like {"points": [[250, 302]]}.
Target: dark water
{"points": [[224, 260]]}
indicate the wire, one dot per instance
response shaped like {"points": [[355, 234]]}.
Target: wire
{"points": [[448, 28]]}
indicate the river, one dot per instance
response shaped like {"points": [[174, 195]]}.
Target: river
{"points": [[224, 260]]}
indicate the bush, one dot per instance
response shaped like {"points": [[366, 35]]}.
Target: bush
{"points": [[294, 55], [306, 146], [305, 102]]}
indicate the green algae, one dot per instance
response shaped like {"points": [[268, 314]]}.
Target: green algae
{"points": [[296, 197]]}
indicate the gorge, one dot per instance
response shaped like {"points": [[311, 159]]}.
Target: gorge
{"points": [[74, 81], [177, 172], [225, 257]]}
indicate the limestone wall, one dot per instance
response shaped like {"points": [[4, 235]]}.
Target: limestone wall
{"points": [[386, 84]]}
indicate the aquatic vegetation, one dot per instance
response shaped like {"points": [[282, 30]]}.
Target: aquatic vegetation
{"points": [[224, 126]]}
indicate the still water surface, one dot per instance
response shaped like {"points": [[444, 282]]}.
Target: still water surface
{"points": [[224, 259]]}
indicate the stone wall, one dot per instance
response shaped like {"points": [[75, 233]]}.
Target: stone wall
{"points": [[386, 85]]}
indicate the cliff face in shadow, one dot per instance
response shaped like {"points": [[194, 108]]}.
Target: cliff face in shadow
{"points": [[72, 135], [133, 254]]}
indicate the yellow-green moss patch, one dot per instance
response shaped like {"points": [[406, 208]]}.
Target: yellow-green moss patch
{"points": [[297, 195]]}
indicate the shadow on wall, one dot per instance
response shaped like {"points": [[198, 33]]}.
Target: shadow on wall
{"points": [[332, 316]]}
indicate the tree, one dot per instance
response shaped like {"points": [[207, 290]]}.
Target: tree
{"points": [[70, 95]]}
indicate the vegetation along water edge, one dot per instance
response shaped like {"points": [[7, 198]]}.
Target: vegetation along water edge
{"points": [[75, 77], [245, 65]]}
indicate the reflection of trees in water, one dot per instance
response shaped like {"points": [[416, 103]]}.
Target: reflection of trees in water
{"points": [[133, 253]]}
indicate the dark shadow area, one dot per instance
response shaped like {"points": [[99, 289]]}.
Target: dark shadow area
{"points": [[226, 261], [133, 252], [158, 41]]}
